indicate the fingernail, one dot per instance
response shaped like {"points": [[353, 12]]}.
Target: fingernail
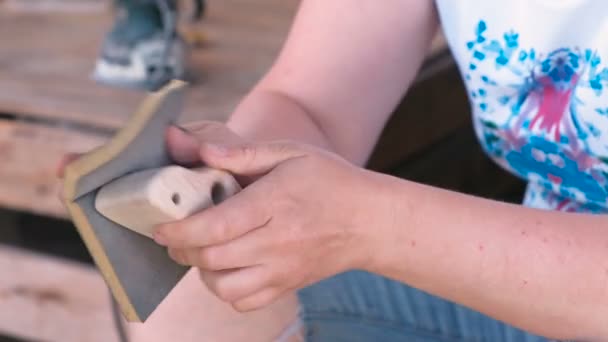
{"points": [[177, 256], [173, 254], [182, 129], [159, 238], [218, 149]]}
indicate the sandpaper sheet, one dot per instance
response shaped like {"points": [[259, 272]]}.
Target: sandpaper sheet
{"points": [[137, 270]]}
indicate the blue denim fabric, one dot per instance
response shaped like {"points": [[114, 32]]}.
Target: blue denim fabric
{"points": [[360, 307]]}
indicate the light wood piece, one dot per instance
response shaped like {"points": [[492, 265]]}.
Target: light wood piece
{"points": [[140, 201]]}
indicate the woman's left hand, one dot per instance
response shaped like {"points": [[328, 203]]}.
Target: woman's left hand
{"points": [[308, 216]]}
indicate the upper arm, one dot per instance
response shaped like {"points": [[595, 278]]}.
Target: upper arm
{"points": [[349, 62]]}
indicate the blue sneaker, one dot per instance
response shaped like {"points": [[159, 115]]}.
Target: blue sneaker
{"points": [[144, 50]]}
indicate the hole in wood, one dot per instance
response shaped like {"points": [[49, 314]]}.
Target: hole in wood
{"points": [[175, 198], [218, 193]]}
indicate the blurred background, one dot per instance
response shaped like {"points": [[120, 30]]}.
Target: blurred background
{"points": [[72, 71]]}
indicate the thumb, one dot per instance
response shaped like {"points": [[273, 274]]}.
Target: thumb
{"points": [[250, 159], [183, 147], [63, 163]]}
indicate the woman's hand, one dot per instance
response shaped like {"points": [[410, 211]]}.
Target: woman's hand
{"points": [[309, 215]]}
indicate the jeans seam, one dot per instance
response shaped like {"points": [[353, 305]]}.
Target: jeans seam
{"points": [[392, 324]]}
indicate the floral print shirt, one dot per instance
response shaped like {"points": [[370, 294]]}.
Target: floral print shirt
{"points": [[536, 72]]}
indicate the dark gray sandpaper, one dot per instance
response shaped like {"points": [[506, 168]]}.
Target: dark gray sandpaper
{"points": [[147, 150], [143, 268]]}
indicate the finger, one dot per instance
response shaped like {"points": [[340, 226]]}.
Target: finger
{"points": [[247, 250], [184, 142], [214, 132], [249, 159], [186, 256], [63, 162], [183, 147], [178, 255], [232, 285], [219, 224], [257, 300]]}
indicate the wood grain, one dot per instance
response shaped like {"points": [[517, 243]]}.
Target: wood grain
{"points": [[48, 74], [30, 153], [49, 299]]}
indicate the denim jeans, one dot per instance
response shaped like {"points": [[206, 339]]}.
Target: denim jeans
{"points": [[361, 307]]}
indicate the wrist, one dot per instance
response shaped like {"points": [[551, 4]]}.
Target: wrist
{"points": [[381, 226]]}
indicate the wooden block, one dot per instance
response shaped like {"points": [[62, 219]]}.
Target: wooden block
{"points": [[137, 270], [140, 201]]}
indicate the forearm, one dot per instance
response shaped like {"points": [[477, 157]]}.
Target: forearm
{"points": [[336, 81], [270, 115], [543, 271]]}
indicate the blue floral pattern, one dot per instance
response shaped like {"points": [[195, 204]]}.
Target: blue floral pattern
{"points": [[533, 119]]}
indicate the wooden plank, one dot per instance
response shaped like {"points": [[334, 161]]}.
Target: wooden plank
{"points": [[29, 153], [48, 74], [47, 6], [49, 299]]}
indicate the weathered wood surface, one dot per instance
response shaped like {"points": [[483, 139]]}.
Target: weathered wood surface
{"points": [[48, 74], [48, 299], [29, 154]]}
